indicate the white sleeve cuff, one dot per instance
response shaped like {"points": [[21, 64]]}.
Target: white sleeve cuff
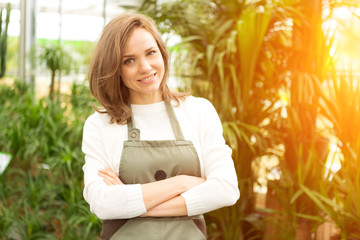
{"points": [[135, 199], [193, 202], [118, 202]]}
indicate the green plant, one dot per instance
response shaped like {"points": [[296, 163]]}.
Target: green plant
{"points": [[8, 208], [12, 55], [342, 107], [306, 145], [42, 197], [57, 59], [306, 142], [3, 38], [81, 51]]}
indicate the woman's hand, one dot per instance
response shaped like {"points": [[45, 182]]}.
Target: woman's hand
{"points": [[191, 181], [109, 177], [174, 206], [158, 192]]}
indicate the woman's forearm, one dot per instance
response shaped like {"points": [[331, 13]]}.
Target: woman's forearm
{"points": [[162, 194], [156, 193], [172, 208]]}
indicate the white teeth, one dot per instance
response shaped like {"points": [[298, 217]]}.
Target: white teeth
{"points": [[147, 79]]}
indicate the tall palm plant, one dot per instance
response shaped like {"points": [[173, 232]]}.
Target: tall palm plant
{"points": [[306, 146], [57, 59], [342, 108]]}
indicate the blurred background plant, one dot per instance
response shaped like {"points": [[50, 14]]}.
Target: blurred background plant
{"points": [[342, 203], [305, 144], [41, 192], [58, 60], [4, 25]]}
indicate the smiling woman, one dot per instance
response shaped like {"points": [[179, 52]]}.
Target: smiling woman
{"points": [[142, 68], [155, 160], [113, 60]]}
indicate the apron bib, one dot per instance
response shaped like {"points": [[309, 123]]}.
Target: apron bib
{"points": [[150, 161]]}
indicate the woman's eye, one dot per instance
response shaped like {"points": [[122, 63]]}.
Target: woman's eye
{"points": [[151, 52], [128, 61]]}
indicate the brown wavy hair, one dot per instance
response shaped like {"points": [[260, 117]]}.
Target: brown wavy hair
{"points": [[105, 80]]}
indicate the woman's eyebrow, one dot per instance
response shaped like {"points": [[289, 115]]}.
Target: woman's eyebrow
{"points": [[130, 55]]}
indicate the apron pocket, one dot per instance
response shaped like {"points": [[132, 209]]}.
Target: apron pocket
{"points": [[201, 225], [109, 227], [182, 229], [133, 229], [177, 228]]}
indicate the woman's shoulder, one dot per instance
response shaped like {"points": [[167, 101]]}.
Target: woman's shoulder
{"points": [[98, 120], [96, 117], [199, 104]]}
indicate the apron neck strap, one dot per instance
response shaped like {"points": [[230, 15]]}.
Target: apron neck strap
{"points": [[174, 122], [134, 133]]}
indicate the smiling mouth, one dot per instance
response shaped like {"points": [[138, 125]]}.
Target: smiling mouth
{"points": [[147, 78]]}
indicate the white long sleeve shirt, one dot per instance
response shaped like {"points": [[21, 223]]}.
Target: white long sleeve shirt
{"points": [[199, 122]]}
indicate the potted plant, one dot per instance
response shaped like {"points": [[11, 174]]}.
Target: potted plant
{"points": [[57, 59], [305, 144], [342, 203]]}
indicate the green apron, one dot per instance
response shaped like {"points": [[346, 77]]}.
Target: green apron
{"points": [[150, 161]]}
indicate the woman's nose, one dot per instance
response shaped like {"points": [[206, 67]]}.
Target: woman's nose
{"points": [[145, 66]]}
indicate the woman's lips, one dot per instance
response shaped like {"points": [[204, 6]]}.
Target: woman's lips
{"points": [[147, 79]]}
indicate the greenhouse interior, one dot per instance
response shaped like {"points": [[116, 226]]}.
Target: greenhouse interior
{"points": [[283, 76]]}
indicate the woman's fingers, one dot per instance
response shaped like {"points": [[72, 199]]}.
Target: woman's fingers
{"points": [[109, 183], [109, 177]]}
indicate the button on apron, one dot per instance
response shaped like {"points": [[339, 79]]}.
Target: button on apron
{"points": [[150, 161], [160, 175]]}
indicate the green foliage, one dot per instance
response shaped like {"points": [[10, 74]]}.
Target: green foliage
{"points": [[12, 55], [342, 203], [41, 191], [83, 49], [57, 59], [311, 190], [306, 147], [3, 38]]}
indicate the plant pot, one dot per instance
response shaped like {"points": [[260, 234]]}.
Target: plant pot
{"points": [[303, 229], [273, 220], [338, 237]]}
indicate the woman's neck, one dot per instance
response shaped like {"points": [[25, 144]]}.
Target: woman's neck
{"points": [[144, 99]]}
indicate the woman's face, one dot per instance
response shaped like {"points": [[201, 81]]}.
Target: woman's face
{"points": [[142, 68]]}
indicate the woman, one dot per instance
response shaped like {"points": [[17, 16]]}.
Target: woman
{"points": [[155, 161]]}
